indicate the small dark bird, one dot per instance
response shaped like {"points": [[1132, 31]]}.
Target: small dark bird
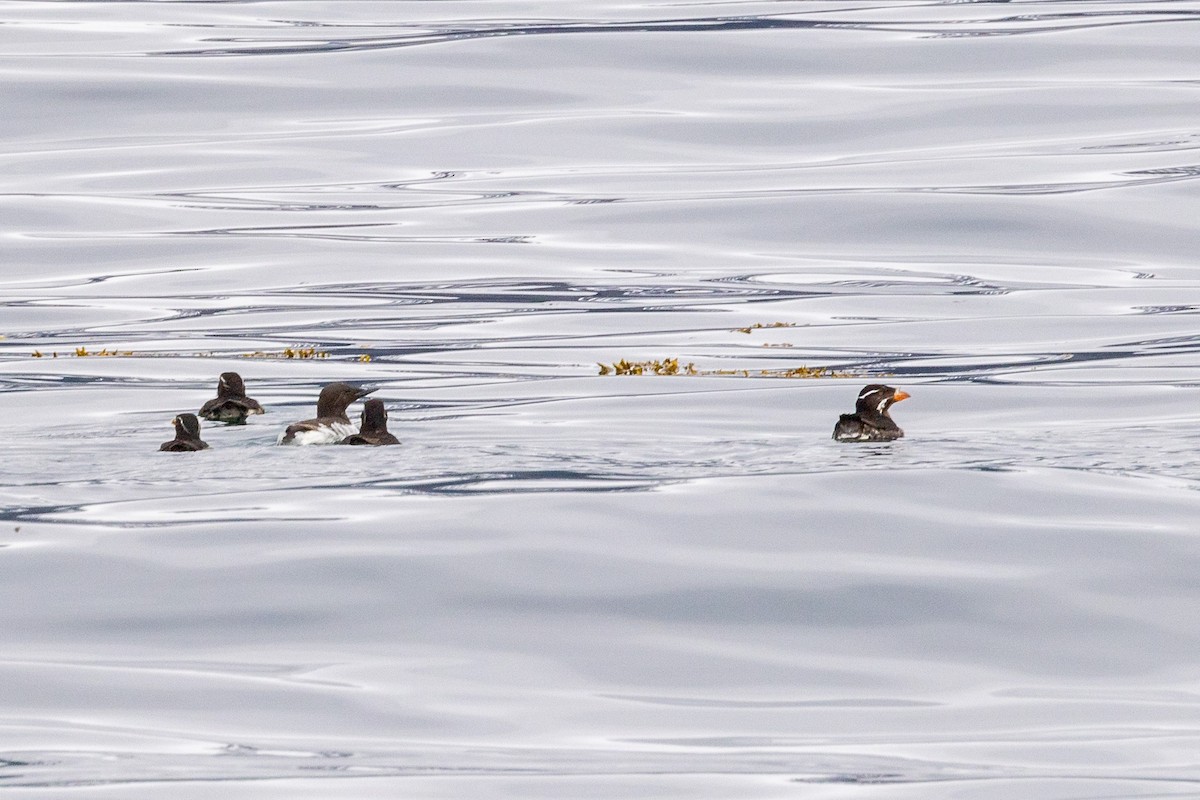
{"points": [[187, 436], [231, 405], [331, 424], [870, 421], [374, 426]]}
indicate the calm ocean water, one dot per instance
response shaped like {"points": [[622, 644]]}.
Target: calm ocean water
{"points": [[567, 584]]}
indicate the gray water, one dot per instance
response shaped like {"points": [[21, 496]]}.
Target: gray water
{"points": [[567, 584]]}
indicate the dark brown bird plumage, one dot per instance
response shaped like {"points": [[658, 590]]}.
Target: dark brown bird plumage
{"points": [[187, 436], [231, 404], [870, 421], [331, 424], [373, 430]]}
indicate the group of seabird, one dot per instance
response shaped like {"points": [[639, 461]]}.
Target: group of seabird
{"points": [[870, 421], [329, 426]]}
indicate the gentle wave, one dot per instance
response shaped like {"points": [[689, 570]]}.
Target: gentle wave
{"points": [[571, 583]]}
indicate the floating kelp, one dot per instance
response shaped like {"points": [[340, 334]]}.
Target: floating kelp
{"points": [[793, 372], [761, 326], [671, 366], [666, 366], [291, 352], [285, 353], [83, 352]]}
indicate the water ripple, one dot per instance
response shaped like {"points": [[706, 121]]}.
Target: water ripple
{"points": [[434, 33], [566, 583]]}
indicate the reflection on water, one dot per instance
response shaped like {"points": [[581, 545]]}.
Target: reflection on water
{"points": [[567, 583]]}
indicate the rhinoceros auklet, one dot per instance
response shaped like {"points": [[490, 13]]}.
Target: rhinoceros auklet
{"points": [[870, 421], [331, 424], [374, 426], [187, 436], [231, 405]]}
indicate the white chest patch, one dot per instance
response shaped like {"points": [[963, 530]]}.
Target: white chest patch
{"points": [[326, 434]]}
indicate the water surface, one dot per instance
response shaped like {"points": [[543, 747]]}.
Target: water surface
{"points": [[572, 584]]}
